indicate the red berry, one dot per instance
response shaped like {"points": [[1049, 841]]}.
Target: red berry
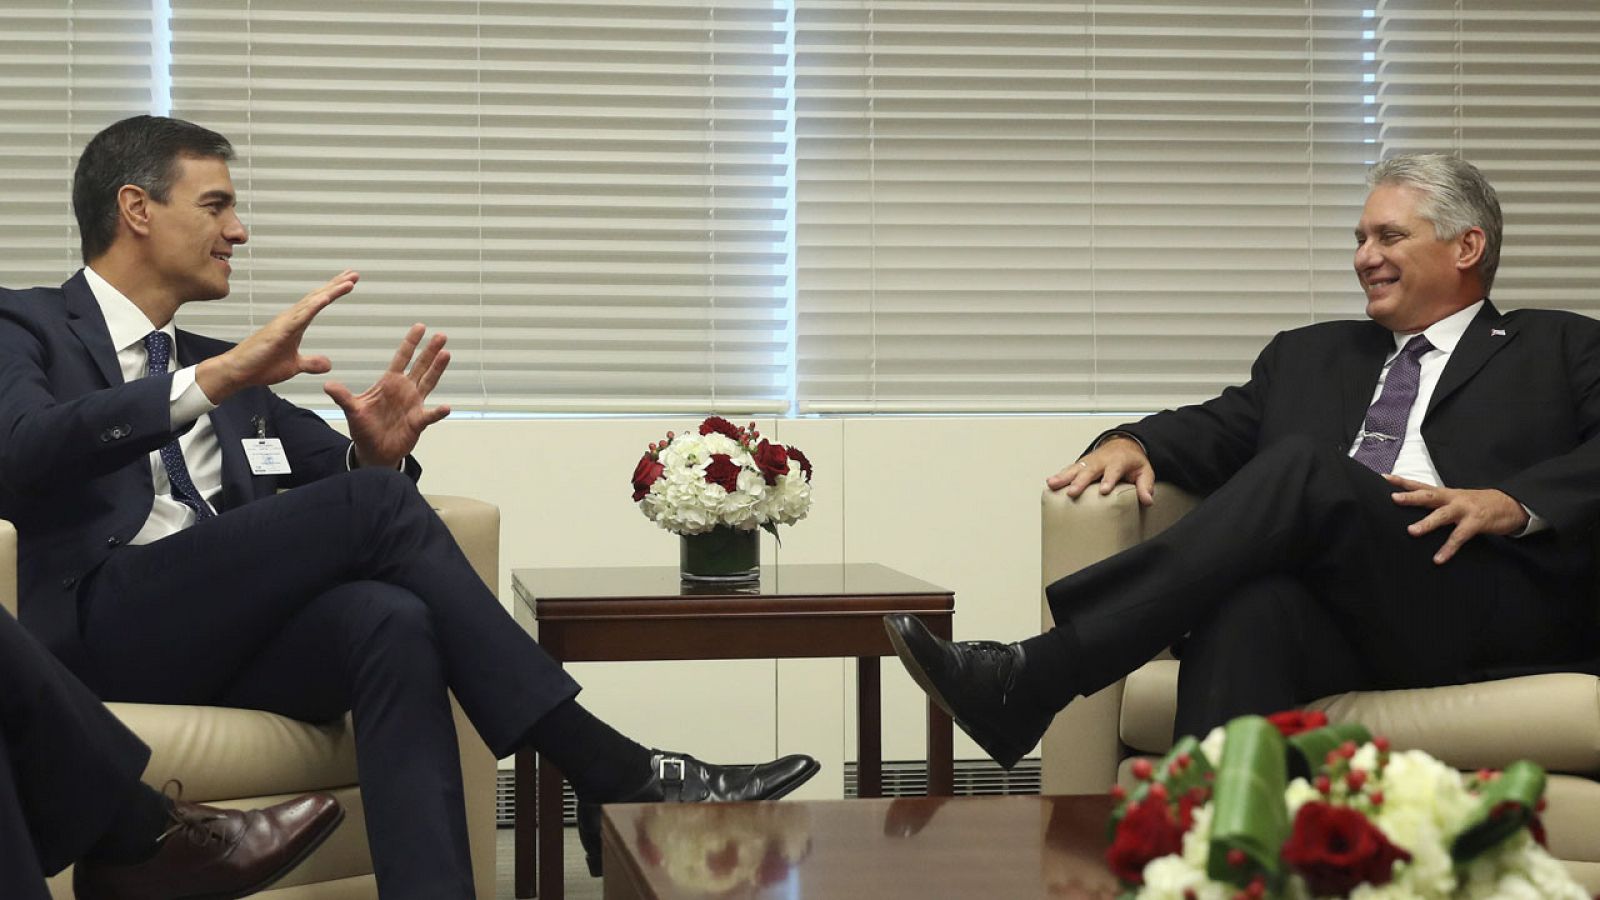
{"points": [[1236, 858], [1376, 797], [1159, 792], [1323, 785], [1119, 793], [1382, 743], [1184, 760], [1256, 889], [1142, 769], [1332, 759], [1355, 779], [1539, 807], [1347, 749], [1189, 894], [1174, 769]]}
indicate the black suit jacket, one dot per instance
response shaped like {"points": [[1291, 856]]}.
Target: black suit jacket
{"points": [[1516, 408], [75, 443]]}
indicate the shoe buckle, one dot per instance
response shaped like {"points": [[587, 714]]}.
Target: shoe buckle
{"points": [[671, 770]]}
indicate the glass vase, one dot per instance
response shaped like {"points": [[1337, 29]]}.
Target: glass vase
{"points": [[722, 554]]}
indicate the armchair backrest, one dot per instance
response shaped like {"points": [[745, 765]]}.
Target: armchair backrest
{"points": [[8, 566]]}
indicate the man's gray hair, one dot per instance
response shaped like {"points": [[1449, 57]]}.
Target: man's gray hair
{"points": [[1455, 197]]}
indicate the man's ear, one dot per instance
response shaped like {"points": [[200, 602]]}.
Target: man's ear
{"points": [[133, 208], [1470, 247]]}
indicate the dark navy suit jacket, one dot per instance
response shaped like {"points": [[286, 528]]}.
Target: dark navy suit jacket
{"points": [[75, 443]]}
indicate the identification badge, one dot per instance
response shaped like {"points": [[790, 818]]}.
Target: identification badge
{"points": [[266, 456]]}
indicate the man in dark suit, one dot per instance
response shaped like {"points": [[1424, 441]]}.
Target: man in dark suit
{"points": [[70, 791], [159, 560], [1401, 502]]}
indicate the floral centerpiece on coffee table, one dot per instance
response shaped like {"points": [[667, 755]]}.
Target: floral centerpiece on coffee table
{"points": [[1357, 819], [722, 481]]}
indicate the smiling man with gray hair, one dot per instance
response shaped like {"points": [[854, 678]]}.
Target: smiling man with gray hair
{"points": [[1404, 501]]}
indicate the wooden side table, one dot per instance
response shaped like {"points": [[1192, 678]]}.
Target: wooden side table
{"points": [[645, 613]]}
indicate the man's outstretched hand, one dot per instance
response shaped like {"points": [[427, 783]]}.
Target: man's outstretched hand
{"points": [[387, 419], [1473, 512], [1118, 459], [272, 355]]}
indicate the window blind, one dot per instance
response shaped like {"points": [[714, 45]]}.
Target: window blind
{"points": [[67, 69], [590, 198], [1514, 89], [1028, 206]]}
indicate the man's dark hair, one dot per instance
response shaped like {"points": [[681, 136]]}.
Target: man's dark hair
{"points": [[141, 151]]}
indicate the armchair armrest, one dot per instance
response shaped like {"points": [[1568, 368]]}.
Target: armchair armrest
{"points": [[1081, 750]]}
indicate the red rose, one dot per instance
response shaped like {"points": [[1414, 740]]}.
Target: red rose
{"points": [[805, 464], [1147, 831], [720, 426], [772, 460], [722, 471], [644, 475], [1291, 722], [1335, 848]]}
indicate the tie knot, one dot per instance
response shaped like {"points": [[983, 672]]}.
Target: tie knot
{"points": [[159, 347], [1414, 348]]}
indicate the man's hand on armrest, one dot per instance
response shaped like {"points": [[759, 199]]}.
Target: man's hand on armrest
{"points": [[1119, 458]]}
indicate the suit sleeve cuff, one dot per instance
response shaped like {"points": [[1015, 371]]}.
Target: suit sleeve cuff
{"points": [[1535, 524], [351, 463], [1099, 442]]}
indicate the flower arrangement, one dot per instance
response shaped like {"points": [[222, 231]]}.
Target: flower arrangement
{"points": [[722, 475], [1357, 820]]}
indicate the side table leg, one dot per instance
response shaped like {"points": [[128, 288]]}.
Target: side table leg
{"points": [[869, 728], [525, 863], [551, 870], [941, 742]]}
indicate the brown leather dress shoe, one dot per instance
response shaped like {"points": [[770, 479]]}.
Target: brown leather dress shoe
{"points": [[217, 854]]}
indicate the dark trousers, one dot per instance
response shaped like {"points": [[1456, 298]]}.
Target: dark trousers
{"points": [[345, 594], [66, 765], [1297, 579]]}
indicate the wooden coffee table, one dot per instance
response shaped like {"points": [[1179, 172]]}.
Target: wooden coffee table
{"points": [[647, 613], [925, 848]]}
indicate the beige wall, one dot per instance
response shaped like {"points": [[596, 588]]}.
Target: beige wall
{"points": [[953, 500]]}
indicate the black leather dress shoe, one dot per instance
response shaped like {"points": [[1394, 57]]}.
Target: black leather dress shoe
{"points": [[680, 778], [216, 854], [976, 682]]}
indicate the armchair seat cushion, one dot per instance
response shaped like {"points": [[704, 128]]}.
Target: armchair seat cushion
{"points": [[1553, 719], [220, 753]]}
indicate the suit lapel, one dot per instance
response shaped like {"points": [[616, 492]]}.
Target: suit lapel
{"points": [[86, 321], [1483, 339], [1358, 377]]}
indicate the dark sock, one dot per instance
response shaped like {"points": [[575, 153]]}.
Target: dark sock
{"points": [[131, 836], [602, 764], [1049, 676]]}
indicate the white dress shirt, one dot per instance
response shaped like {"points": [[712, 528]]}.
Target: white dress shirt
{"points": [[201, 451]]}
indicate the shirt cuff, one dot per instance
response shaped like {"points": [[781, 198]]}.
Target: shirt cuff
{"points": [[1120, 434], [186, 402], [350, 464], [1535, 524]]}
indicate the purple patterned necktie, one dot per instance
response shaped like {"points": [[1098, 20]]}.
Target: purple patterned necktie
{"points": [[159, 346], [1385, 428]]}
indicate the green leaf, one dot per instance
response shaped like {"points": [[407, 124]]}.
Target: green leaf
{"points": [[1505, 807], [1248, 810], [1308, 749]]}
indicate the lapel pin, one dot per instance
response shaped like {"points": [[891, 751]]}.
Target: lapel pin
{"points": [[1497, 332]]}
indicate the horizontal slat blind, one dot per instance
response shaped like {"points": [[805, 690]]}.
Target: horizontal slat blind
{"points": [[1068, 206], [590, 198], [67, 69], [1515, 89]]}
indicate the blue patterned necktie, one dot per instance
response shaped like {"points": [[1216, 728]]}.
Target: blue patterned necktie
{"points": [[159, 346], [1385, 428]]}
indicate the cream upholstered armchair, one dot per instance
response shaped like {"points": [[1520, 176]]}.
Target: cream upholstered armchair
{"points": [[1552, 719], [238, 757]]}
